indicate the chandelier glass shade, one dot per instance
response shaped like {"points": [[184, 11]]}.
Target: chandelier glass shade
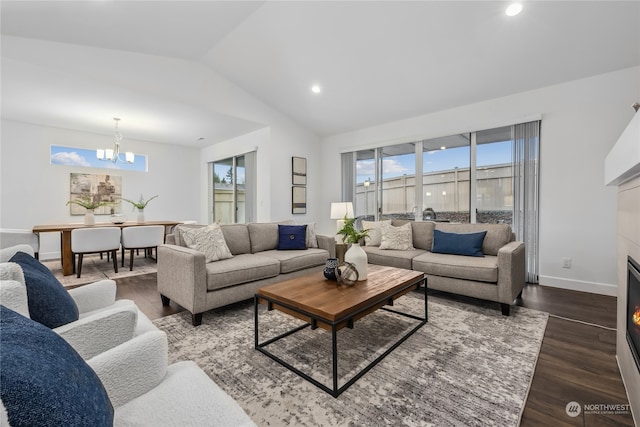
{"points": [[113, 155]]}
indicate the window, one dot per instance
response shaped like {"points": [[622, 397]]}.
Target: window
{"points": [[233, 189], [70, 156], [488, 176]]}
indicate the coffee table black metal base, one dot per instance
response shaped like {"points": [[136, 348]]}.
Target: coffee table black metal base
{"points": [[335, 391]]}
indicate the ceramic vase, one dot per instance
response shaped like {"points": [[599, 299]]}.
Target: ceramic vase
{"points": [[89, 218], [140, 216], [330, 268], [358, 257]]}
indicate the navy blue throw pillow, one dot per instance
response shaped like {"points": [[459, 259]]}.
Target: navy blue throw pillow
{"points": [[469, 244], [44, 381], [49, 302], [292, 237]]}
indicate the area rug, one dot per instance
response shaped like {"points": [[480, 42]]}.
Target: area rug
{"points": [[94, 269], [468, 366]]}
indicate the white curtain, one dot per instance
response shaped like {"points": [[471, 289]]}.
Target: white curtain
{"points": [[526, 167]]}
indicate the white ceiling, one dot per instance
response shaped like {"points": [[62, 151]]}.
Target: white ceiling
{"points": [[376, 61]]}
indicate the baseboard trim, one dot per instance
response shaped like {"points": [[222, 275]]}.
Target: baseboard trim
{"points": [[579, 285]]}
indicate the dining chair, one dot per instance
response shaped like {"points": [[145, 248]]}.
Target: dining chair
{"points": [[11, 237], [146, 237], [95, 240]]}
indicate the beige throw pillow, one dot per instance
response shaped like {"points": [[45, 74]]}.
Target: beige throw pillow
{"points": [[398, 238], [375, 232], [311, 237], [208, 240]]}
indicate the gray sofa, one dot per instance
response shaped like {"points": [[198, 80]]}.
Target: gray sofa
{"points": [[498, 276], [198, 286]]}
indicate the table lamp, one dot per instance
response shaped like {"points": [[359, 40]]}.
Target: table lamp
{"points": [[339, 210]]}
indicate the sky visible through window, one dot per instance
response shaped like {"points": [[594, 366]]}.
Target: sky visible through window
{"points": [[434, 161], [69, 156]]}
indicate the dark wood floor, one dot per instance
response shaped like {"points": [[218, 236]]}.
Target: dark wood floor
{"points": [[576, 362]]}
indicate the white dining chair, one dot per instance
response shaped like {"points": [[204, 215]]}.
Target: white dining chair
{"points": [[95, 240], [11, 237], [146, 237]]}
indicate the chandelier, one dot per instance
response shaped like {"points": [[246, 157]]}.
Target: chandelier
{"points": [[114, 154]]}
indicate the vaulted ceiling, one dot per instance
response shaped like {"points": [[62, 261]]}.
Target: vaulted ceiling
{"points": [[375, 61]]}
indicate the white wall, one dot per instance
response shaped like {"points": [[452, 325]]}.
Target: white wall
{"points": [[581, 120], [33, 191]]}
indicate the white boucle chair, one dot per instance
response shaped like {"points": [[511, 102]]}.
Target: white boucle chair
{"points": [[12, 237], [104, 322], [145, 391]]}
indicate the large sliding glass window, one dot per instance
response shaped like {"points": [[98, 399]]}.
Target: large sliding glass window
{"points": [[488, 176]]}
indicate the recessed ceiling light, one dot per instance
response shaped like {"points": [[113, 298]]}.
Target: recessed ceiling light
{"points": [[513, 9], [316, 89], [443, 148]]}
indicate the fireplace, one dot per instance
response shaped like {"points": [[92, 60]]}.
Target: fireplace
{"points": [[633, 308]]}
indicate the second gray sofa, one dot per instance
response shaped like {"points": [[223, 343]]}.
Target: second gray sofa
{"points": [[497, 276]]}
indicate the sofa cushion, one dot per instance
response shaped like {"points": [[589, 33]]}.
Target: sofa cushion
{"points": [[208, 240], [497, 236], [467, 244], [240, 269], [399, 259], [482, 269], [44, 381], [375, 232], [397, 238], [264, 236], [49, 302], [292, 237], [422, 233], [297, 260], [237, 238]]}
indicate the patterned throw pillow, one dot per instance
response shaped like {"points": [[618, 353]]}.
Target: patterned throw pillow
{"points": [[209, 240], [312, 238], [398, 238], [375, 232]]}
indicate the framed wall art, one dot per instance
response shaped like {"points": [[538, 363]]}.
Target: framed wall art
{"points": [[299, 200], [299, 171], [100, 188]]}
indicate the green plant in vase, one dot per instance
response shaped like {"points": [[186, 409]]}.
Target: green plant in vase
{"points": [[355, 255], [349, 232], [140, 205], [90, 204]]}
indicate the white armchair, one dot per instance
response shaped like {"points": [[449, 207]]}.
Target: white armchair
{"points": [[144, 390], [103, 322]]}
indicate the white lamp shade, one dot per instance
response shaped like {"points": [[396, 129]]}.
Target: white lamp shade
{"points": [[130, 157], [100, 154], [340, 209], [109, 153]]}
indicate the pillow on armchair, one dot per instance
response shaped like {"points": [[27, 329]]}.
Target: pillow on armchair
{"points": [[49, 302], [43, 380]]}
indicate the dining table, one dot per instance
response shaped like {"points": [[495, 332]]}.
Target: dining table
{"points": [[66, 255]]}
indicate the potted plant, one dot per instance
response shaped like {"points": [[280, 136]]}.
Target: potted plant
{"points": [[355, 255], [140, 205], [90, 204]]}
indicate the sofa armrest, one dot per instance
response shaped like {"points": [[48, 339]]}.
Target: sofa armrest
{"points": [[511, 271], [170, 239], [101, 331], [94, 295], [182, 276], [327, 243], [132, 368]]}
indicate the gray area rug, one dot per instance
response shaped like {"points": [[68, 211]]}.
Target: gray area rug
{"points": [[468, 366], [94, 269]]}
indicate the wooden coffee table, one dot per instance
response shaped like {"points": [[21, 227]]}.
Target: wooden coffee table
{"points": [[322, 303]]}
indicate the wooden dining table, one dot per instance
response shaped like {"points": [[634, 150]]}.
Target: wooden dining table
{"points": [[66, 255]]}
